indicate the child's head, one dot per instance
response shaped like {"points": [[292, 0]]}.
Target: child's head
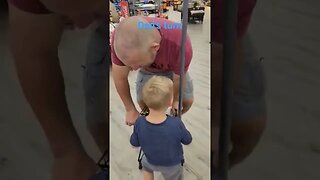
{"points": [[157, 92]]}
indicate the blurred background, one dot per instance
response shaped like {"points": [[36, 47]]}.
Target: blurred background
{"points": [[286, 34], [24, 151]]}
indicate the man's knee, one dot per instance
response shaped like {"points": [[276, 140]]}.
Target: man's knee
{"points": [[246, 133], [186, 104]]}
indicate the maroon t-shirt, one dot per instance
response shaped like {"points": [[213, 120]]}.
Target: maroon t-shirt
{"points": [[32, 6], [168, 56], [245, 9]]}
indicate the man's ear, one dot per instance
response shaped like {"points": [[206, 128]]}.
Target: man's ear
{"points": [[155, 47]]}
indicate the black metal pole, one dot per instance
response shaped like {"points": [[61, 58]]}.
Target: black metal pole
{"points": [[182, 51], [134, 7], [230, 19]]}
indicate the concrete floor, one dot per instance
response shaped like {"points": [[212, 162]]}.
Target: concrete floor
{"points": [[286, 34]]}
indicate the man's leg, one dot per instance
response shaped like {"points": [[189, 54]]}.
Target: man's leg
{"points": [[95, 85], [142, 78], [187, 95], [245, 136], [249, 117], [34, 41]]}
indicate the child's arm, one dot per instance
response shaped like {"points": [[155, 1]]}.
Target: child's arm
{"points": [[134, 141], [186, 137]]}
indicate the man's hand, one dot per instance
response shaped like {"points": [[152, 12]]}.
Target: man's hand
{"points": [[120, 79], [131, 117], [175, 108], [175, 105], [74, 167]]}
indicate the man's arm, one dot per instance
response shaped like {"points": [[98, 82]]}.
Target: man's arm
{"points": [[177, 70], [120, 77], [34, 44], [176, 84]]}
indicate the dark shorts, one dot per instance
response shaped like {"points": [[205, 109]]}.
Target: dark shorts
{"points": [[31, 6], [143, 77]]}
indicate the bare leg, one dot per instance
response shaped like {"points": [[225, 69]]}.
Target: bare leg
{"points": [[186, 104], [148, 175], [34, 41], [244, 137]]}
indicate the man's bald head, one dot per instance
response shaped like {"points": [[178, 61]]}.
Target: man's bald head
{"points": [[131, 41], [129, 36]]}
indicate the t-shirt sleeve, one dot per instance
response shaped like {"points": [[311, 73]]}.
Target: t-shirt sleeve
{"points": [[245, 9], [188, 57], [186, 137], [134, 140], [114, 58]]}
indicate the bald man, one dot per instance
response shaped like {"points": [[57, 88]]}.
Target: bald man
{"points": [[151, 51]]}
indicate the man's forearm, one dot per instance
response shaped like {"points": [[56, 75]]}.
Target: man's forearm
{"points": [[42, 83], [123, 89]]}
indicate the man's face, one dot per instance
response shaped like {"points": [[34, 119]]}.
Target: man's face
{"points": [[136, 59]]}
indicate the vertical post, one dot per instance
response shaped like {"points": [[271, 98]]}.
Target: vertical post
{"points": [[182, 51], [134, 7], [230, 15]]}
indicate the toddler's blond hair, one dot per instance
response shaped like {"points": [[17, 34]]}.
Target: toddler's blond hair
{"points": [[157, 92]]}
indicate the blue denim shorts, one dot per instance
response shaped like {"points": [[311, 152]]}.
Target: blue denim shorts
{"points": [[143, 77]]}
